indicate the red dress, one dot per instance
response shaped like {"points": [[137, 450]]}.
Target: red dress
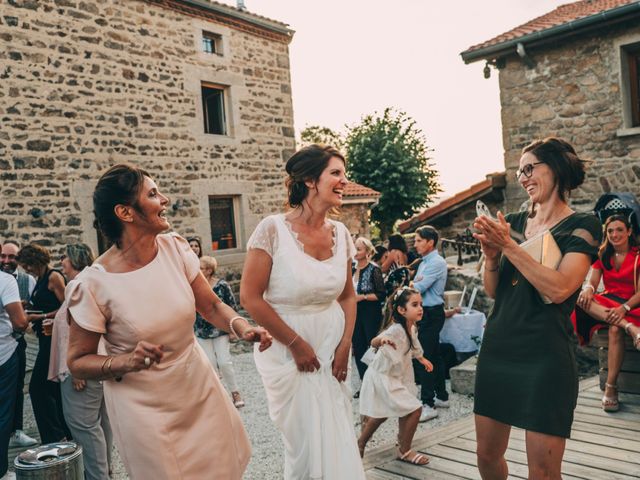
{"points": [[619, 287]]}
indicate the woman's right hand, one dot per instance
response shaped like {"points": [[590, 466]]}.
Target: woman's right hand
{"points": [[585, 298], [304, 356], [143, 356]]}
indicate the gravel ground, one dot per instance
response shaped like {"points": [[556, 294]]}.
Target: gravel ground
{"points": [[268, 457]]}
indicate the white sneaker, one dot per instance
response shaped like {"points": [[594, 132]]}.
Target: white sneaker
{"points": [[441, 403], [21, 439], [428, 413]]}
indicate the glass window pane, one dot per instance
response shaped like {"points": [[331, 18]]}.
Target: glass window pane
{"points": [[221, 215]]}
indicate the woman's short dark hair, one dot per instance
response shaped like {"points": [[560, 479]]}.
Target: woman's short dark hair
{"points": [[120, 185], [397, 242], [427, 232], [34, 255], [380, 251], [307, 164], [568, 169]]}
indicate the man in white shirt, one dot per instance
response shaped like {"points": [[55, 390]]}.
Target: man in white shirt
{"points": [[12, 317], [26, 284]]}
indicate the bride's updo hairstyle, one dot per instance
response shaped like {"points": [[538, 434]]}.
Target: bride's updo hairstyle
{"points": [[307, 164], [568, 169], [120, 185]]}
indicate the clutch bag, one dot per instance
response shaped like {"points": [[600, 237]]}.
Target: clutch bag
{"points": [[543, 249]]}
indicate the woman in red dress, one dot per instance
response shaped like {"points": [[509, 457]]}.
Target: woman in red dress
{"points": [[618, 305]]}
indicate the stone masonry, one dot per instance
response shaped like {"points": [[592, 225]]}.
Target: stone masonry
{"points": [[88, 84], [575, 91]]}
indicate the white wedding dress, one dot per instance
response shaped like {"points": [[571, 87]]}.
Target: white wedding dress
{"points": [[312, 410]]}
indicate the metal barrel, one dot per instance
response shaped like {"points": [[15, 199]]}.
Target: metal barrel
{"points": [[54, 461]]}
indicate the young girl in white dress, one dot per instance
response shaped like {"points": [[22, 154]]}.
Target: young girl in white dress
{"points": [[388, 388]]}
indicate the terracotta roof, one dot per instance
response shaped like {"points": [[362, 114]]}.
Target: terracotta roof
{"points": [[561, 15], [354, 189], [493, 180]]}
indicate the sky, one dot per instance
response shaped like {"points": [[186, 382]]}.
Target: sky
{"points": [[350, 58]]}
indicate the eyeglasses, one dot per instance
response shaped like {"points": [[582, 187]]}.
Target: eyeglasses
{"points": [[527, 170], [62, 257]]}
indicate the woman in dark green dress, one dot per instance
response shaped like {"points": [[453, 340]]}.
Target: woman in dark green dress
{"points": [[526, 375]]}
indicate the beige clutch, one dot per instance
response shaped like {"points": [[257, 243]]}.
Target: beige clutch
{"points": [[543, 249]]}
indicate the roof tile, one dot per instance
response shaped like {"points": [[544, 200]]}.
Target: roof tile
{"points": [[561, 15], [356, 190]]}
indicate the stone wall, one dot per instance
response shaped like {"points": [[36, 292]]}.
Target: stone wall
{"points": [[87, 84], [575, 92], [356, 218]]}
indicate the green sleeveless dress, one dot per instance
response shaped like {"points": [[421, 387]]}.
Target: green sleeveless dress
{"points": [[526, 374]]}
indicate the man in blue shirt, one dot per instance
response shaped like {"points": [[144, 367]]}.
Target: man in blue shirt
{"points": [[430, 281]]}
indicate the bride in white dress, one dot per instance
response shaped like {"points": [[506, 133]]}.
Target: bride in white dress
{"points": [[297, 283]]}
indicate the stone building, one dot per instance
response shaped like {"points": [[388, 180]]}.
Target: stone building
{"points": [[196, 92], [572, 73], [356, 207]]}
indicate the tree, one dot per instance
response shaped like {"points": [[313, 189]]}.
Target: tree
{"points": [[389, 153], [323, 135]]}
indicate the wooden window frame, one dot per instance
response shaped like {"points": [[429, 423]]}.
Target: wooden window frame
{"points": [[223, 242], [208, 129], [213, 39]]}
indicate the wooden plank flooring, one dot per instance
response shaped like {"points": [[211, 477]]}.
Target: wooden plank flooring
{"points": [[603, 446]]}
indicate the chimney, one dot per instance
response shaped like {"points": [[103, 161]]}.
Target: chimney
{"points": [[240, 5]]}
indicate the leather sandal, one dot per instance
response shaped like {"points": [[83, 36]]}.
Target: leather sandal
{"points": [[610, 404], [636, 339], [412, 457]]}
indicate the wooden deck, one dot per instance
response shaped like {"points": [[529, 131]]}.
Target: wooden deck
{"points": [[603, 446]]}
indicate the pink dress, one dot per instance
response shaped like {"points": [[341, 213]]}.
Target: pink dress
{"points": [[173, 421]]}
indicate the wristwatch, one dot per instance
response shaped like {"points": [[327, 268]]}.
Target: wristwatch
{"points": [[626, 307]]}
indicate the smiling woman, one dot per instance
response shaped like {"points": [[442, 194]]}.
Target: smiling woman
{"points": [[297, 283], [141, 298], [526, 375]]}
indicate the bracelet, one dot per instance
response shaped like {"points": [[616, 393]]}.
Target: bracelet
{"points": [[589, 286], [231, 325], [104, 363], [117, 379], [291, 342], [492, 269], [626, 307]]}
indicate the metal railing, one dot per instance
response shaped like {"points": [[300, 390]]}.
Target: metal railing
{"points": [[463, 243]]}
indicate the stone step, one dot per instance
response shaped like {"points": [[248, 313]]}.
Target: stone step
{"points": [[463, 376]]}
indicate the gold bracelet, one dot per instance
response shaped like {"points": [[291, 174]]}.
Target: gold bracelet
{"points": [[492, 269], [291, 342], [103, 364], [231, 324]]}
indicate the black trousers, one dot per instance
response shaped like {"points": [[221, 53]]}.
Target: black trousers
{"points": [[367, 326], [432, 383], [8, 374], [46, 398], [22, 367]]}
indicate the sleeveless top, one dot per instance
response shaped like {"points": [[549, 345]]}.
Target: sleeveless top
{"points": [[44, 299]]}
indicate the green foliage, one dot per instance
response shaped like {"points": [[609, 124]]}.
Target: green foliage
{"points": [[389, 153], [322, 135]]}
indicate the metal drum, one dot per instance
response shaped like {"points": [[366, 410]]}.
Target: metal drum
{"points": [[54, 461]]}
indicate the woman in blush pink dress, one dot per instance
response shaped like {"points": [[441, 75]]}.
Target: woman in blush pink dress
{"points": [[170, 416]]}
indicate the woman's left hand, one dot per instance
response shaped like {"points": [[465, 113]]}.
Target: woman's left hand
{"points": [[78, 384], [341, 362], [258, 334], [615, 315]]}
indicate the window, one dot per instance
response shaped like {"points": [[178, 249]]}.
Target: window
{"points": [[213, 109], [223, 222], [211, 43], [633, 66]]}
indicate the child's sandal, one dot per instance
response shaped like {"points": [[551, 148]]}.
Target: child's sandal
{"points": [[413, 457]]}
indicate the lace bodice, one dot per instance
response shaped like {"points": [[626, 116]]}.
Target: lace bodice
{"points": [[296, 277]]}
